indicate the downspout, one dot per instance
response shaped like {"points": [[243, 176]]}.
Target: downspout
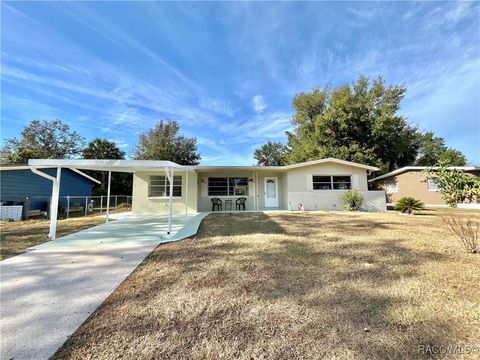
{"points": [[169, 174], [108, 196], [55, 197], [256, 190], [186, 194]]}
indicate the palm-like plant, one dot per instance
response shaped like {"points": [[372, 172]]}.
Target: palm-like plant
{"points": [[102, 149], [409, 205]]}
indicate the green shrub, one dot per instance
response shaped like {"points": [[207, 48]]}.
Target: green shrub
{"points": [[409, 205], [455, 186], [352, 200]]}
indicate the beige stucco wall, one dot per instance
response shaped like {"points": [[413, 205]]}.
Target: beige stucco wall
{"points": [[298, 181], [411, 183], [142, 204]]}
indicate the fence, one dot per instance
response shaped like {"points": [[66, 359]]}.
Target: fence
{"points": [[75, 205]]}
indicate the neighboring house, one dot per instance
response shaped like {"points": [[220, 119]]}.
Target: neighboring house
{"points": [[18, 182], [412, 181], [317, 185]]}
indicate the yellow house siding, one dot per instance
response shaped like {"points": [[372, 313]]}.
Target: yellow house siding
{"points": [[143, 204], [289, 182], [204, 201], [282, 191]]}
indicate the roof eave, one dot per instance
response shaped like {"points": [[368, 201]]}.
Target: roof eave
{"points": [[28, 167], [110, 165], [419, 168], [334, 160]]}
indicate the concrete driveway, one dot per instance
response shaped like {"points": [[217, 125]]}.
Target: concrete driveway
{"points": [[47, 293]]}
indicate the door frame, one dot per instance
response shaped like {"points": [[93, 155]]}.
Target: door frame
{"points": [[265, 191]]}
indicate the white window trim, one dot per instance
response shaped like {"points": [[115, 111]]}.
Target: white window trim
{"points": [[228, 187], [391, 191], [428, 186], [167, 188], [331, 182]]}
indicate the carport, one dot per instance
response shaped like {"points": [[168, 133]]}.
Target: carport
{"points": [[129, 166]]}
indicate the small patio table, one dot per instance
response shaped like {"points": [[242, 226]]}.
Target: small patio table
{"points": [[228, 204]]}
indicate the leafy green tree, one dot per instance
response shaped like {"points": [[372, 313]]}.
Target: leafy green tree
{"points": [[271, 154], [48, 139], [164, 142], [357, 122], [455, 186], [303, 141], [121, 183], [453, 157], [433, 149]]}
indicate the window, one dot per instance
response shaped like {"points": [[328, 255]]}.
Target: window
{"points": [[222, 186], [238, 186], [432, 185], [217, 186], [322, 182], [341, 182], [160, 186], [331, 182], [391, 187]]}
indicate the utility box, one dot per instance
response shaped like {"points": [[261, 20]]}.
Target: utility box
{"points": [[11, 212]]}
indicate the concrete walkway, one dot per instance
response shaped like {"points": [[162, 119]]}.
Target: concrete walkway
{"points": [[47, 293]]}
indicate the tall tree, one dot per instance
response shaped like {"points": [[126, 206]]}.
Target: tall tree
{"points": [[48, 139], [164, 142], [102, 149], [357, 122], [433, 149], [271, 154], [452, 157], [106, 149]]}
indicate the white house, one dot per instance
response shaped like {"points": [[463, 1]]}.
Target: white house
{"points": [[166, 187]]}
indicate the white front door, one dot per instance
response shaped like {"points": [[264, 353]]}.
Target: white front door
{"points": [[271, 192]]}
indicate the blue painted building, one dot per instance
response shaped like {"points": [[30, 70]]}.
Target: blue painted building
{"points": [[18, 183]]}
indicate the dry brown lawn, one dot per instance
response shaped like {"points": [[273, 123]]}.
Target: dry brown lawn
{"points": [[294, 286], [17, 237]]}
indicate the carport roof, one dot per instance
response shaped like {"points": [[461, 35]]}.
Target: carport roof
{"points": [[109, 165]]}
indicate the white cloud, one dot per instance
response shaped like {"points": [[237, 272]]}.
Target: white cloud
{"points": [[120, 143], [259, 104], [258, 128], [362, 12], [450, 14], [216, 105]]}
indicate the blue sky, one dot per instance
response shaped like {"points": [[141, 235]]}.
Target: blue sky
{"points": [[228, 71]]}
